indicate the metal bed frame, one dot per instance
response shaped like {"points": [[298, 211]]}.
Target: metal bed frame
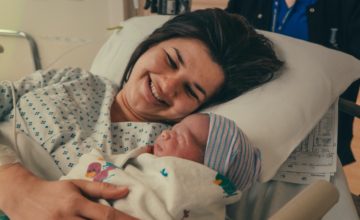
{"points": [[30, 40]]}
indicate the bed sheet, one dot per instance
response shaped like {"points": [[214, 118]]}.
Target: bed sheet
{"points": [[263, 200]]}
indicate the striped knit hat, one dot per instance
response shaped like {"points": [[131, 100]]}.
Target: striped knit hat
{"points": [[229, 152]]}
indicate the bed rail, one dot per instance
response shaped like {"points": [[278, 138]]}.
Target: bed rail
{"points": [[31, 41]]}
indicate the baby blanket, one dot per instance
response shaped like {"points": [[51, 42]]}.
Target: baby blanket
{"points": [[160, 187]]}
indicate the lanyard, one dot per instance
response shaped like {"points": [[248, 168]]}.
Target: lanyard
{"points": [[275, 15]]}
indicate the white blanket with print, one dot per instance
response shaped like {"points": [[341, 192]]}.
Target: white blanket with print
{"points": [[160, 187]]}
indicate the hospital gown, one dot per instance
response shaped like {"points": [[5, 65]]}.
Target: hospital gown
{"points": [[163, 188], [64, 114]]}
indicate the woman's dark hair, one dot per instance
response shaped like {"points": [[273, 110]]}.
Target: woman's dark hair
{"points": [[245, 56]]}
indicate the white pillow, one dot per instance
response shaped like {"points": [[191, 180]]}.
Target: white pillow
{"points": [[276, 116]]}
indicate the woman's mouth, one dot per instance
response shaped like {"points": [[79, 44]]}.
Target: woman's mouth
{"points": [[155, 92]]}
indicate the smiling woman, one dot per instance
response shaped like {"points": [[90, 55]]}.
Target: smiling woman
{"points": [[194, 60], [170, 80], [211, 43]]}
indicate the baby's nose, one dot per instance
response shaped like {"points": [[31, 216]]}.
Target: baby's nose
{"points": [[165, 134]]}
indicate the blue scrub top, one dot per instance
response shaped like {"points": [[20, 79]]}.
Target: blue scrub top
{"points": [[291, 21]]}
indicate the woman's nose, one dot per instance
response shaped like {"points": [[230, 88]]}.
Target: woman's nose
{"points": [[171, 86]]}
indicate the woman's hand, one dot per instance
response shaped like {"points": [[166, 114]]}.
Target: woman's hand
{"points": [[24, 196]]}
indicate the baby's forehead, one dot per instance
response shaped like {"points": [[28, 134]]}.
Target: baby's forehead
{"points": [[197, 121], [198, 118], [198, 124]]}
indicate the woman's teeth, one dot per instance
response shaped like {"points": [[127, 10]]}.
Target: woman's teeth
{"points": [[154, 92]]}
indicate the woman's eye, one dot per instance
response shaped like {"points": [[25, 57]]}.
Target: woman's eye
{"points": [[171, 61], [190, 91]]}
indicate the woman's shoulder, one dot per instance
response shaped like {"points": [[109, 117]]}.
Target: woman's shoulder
{"points": [[74, 75]]}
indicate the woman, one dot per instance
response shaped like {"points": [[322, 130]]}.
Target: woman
{"points": [[195, 60]]}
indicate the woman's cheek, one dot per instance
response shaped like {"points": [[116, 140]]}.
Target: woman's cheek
{"points": [[185, 109]]}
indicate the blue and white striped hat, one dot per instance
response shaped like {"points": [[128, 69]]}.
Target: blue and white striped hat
{"points": [[229, 152]]}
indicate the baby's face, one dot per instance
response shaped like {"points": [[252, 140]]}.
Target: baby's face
{"points": [[186, 139]]}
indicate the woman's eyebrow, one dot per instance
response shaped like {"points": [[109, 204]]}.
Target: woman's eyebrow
{"points": [[179, 56]]}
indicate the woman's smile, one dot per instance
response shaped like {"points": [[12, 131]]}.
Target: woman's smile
{"points": [[152, 93], [156, 93]]}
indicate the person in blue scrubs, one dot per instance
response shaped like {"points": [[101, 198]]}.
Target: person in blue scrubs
{"points": [[331, 23]]}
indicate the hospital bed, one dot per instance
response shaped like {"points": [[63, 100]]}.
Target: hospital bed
{"points": [[30, 40], [316, 87]]}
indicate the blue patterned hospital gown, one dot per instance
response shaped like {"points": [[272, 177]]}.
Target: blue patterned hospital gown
{"points": [[68, 113]]}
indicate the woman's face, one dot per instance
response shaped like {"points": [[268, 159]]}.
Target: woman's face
{"points": [[169, 81]]}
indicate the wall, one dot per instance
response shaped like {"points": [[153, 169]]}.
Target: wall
{"points": [[67, 32], [75, 28]]}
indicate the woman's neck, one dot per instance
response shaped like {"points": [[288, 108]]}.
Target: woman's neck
{"points": [[120, 110]]}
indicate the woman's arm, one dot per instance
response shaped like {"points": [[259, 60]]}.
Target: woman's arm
{"points": [[25, 196]]}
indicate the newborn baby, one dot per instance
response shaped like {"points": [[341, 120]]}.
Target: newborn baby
{"points": [[168, 180]]}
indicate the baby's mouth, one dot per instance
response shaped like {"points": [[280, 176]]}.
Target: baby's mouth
{"points": [[157, 149]]}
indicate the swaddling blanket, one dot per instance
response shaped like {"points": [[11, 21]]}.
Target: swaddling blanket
{"points": [[160, 187]]}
